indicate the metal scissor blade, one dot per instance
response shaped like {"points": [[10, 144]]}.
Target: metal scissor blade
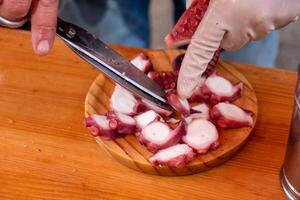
{"points": [[111, 63]]}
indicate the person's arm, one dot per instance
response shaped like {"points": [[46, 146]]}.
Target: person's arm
{"points": [[43, 20], [230, 24]]}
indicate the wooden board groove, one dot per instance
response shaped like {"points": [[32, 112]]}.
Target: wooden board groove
{"points": [[131, 153]]}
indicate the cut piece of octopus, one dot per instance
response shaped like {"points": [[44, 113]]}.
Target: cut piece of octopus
{"points": [[201, 135], [180, 105], [166, 80], [217, 89], [145, 118], [143, 63], [202, 109], [99, 126], [226, 115], [158, 135], [199, 111], [175, 156], [123, 101], [121, 123]]}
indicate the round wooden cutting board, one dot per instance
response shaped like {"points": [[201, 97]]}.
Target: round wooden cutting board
{"points": [[132, 154]]}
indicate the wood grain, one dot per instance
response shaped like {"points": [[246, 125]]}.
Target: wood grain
{"points": [[132, 154], [41, 107]]}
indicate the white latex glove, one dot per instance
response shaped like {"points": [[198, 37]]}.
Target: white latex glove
{"points": [[188, 3], [230, 24], [43, 20]]}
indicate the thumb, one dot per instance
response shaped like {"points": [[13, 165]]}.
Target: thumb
{"points": [[204, 43]]}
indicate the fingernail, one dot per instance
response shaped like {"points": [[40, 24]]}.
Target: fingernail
{"points": [[43, 47]]}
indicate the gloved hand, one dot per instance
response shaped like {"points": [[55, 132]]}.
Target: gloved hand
{"points": [[43, 20], [230, 24]]}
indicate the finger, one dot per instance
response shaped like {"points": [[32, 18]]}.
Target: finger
{"points": [[235, 39], [204, 43], [261, 30], [43, 25], [14, 9], [188, 3]]}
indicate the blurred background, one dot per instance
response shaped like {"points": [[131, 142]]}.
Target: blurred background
{"points": [[145, 23]]}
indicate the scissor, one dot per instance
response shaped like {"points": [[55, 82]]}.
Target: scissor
{"points": [[105, 59]]}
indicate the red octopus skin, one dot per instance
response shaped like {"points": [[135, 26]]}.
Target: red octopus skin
{"points": [[176, 63], [180, 105], [166, 80], [121, 123], [186, 26], [99, 126], [211, 67]]}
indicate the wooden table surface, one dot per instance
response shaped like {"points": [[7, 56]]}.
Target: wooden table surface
{"points": [[46, 153]]}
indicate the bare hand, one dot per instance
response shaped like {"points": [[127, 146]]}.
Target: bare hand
{"points": [[43, 20]]}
